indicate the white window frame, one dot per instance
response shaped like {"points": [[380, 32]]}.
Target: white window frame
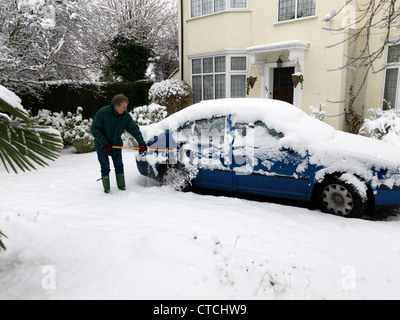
{"points": [[227, 8], [228, 71], [391, 66], [296, 13]]}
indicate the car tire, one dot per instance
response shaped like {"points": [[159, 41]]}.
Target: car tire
{"points": [[340, 198], [177, 177]]}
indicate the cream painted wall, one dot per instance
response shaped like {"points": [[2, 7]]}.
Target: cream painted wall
{"points": [[221, 31], [217, 32], [320, 85], [258, 25]]}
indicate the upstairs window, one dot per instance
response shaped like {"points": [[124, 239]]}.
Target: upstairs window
{"points": [[238, 4], [200, 8], [295, 9], [219, 5]]}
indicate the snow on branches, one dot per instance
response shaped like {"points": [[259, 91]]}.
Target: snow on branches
{"points": [[42, 40]]}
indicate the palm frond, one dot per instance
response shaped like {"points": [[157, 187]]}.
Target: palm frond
{"points": [[2, 246], [15, 112], [24, 144]]}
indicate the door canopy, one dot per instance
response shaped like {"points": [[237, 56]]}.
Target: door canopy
{"points": [[296, 49]]}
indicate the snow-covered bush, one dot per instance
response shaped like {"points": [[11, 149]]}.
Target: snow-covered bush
{"points": [[77, 132], [73, 128], [146, 115], [174, 94], [383, 125], [50, 119]]}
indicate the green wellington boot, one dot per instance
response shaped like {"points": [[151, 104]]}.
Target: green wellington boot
{"points": [[106, 184], [121, 181]]}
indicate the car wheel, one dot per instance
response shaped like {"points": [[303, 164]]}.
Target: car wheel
{"points": [[341, 198], [177, 177]]}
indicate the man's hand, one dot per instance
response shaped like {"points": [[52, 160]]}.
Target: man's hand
{"points": [[142, 148], [108, 147]]}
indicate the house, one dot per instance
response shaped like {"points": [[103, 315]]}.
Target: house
{"points": [[224, 42]]}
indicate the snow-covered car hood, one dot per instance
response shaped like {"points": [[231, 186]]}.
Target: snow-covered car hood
{"points": [[375, 161], [377, 153]]}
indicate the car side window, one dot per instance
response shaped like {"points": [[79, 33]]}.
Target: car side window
{"points": [[211, 131], [271, 132], [257, 135]]}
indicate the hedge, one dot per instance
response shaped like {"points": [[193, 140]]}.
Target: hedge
{"points": [[91, 97]]}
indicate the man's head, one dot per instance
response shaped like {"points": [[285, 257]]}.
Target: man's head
{"points": [[120, 103]]}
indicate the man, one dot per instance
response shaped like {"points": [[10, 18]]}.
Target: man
{"points": [[109, 124]]}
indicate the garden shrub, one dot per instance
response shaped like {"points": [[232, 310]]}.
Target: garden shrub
{"points": [[66, 97], [144, 116], [74, 129], [383, 125], [175, 95]]}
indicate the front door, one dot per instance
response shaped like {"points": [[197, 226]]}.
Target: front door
{"points": [[283, 85]]}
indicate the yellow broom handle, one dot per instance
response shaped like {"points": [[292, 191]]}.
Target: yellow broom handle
{"points": [[158, 150]]}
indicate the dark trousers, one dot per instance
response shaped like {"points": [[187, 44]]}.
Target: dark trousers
{"points": [[105, 163]]}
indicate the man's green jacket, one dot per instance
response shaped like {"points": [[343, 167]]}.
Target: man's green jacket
{"points": [[108, 127]]}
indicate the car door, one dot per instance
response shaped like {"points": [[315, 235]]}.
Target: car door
{"points": [[206, 145], [261, 166]]}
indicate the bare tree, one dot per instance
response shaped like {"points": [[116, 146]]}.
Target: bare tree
{"points": [[370, 18], [372, 15], [58, 40], [51, 40]]}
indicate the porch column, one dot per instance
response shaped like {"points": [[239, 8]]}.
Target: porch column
{"points": [[298, 57], [259, 59], [259, 62]]}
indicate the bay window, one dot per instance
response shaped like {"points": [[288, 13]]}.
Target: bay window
{"points": [[219, 77], [237, 78]]}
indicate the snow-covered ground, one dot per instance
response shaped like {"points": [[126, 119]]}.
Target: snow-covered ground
{"points": [[69, 240]]}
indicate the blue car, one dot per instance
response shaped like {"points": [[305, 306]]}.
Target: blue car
{"points": [[271, 148]]}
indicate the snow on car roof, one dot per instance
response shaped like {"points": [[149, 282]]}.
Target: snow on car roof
{"points": [[278, 115]]}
